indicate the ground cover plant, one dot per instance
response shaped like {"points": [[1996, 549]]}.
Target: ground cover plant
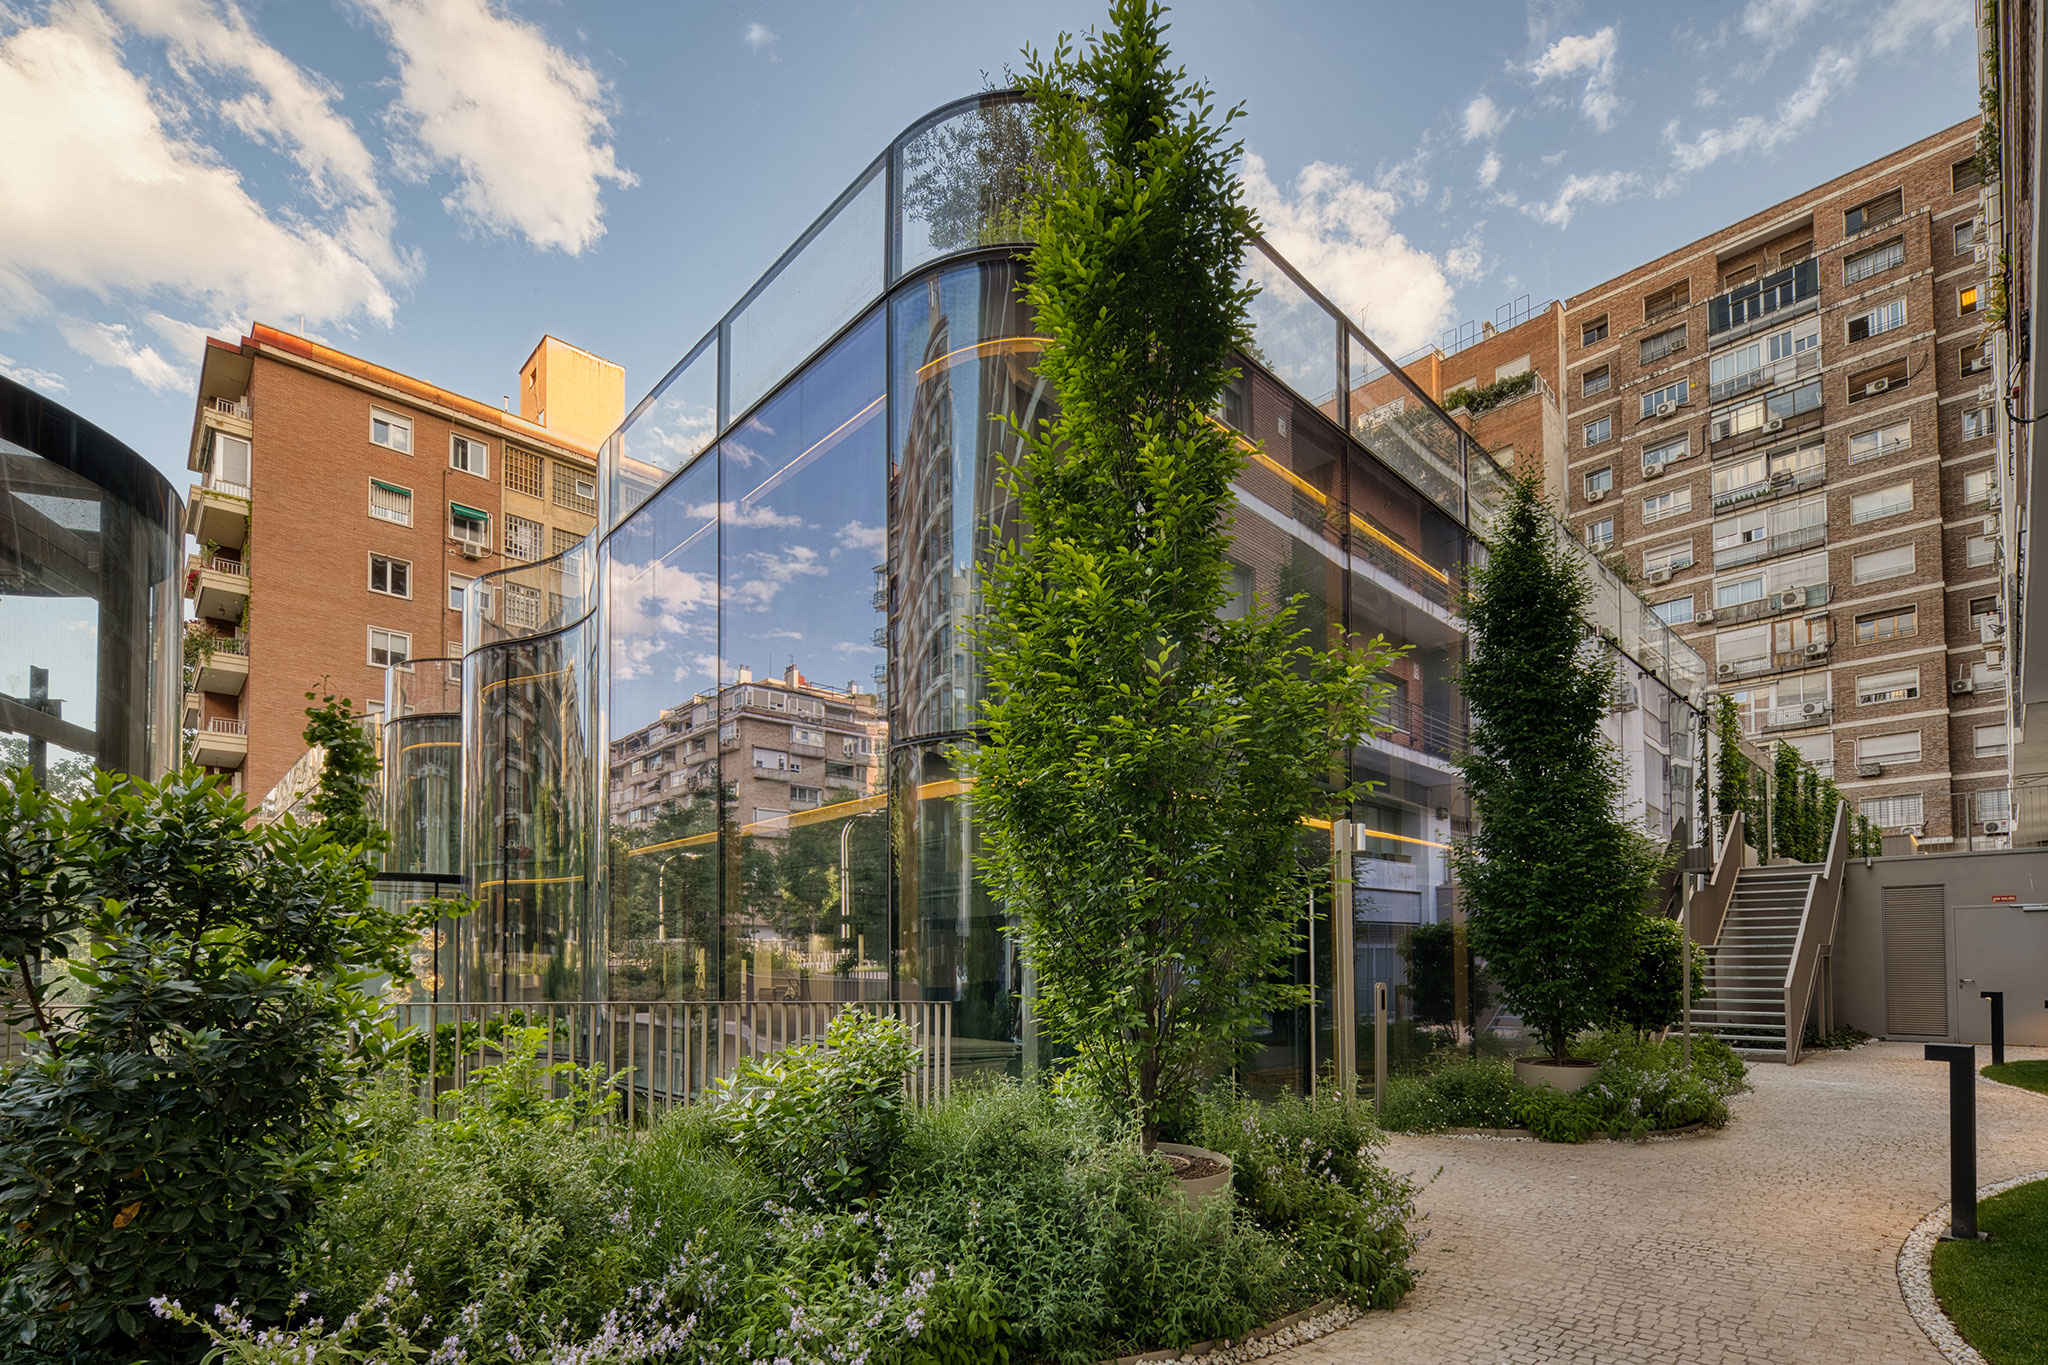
{"points": [[1996, 1292]]}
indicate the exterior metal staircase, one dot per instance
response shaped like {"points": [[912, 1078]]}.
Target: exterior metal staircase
{"points": [[1745, 1003]]}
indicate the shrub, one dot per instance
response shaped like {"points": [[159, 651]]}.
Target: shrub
{"points": [[823, 1120], [1430, 951], [1651, 995], [1460, 1094]]}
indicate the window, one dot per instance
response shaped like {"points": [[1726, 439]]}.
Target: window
{"points": [[1789, 525], [391, 431], [774, 760], [1593, 332], [1735, 592], [562, 540], [1596, 381], [1795, 253], [1666, 301], [1881, 502], [389, 502], [799, 734], [1654, 349], [1676, 612], [1964, 175], [1982, 610], [1665, 452], [1599, 431], [522, 607], [227, 460], [1878, 564], [575, 490], [1819, 750], [1766, 361], [1994, 805], [1883, 318], [458, 585], [1600, 480], [1966, 237], [1986, 678], [1889, 749], [1977, 486], [1899, 685], [1600, 534], [469, 455], [392, 577], [1750, 645], [1735, 277], [1875, 212], [1875, 261], [389, 647], [1972, 358], [1740, 419], [522, 471], [1511, 369], [1891, 812], [1980, 550], [1676, 395], [1976, 423], [522, 538], [1673, 502], [1968, 299], [1877, 379], [1671, 558], [469, 525], [1746, 303], [1990, 740], [1868, 445], [1894, 624]]}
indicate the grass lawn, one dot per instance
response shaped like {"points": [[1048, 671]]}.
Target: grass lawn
{"points": [[2032, 1075], [1996, 1292]]}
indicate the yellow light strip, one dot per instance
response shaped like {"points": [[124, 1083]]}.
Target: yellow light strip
{"points": [[528, 677], [1399, 838], [432, 744], [982, 348], [687, 841]]}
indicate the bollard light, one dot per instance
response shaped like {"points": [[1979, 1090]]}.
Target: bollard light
{"points": [[1962, 1138], [1997, 999]]}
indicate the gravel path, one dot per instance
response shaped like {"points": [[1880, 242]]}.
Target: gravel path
{"points": [[1775, 1240]]}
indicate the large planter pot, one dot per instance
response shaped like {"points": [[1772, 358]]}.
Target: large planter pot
{"points": [[1566, 1076], [1201, 1188]]}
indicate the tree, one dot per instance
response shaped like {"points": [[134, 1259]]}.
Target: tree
{"points": [[1731, 790], [348, 778], [1788, 814], [1429, 951], [1652, 993], [178, 1118], [1553, 875], [1144, 765]]}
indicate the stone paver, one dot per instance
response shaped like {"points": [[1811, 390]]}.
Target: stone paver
{"points": [[1775, 1240]]}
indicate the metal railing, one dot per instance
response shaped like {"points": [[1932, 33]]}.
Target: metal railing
{"points": [[1413, 725], [1771, 604], [664, 1053], [1710, 904], [1816, 937], [228, 644], [221, 725], [1766, 376]]}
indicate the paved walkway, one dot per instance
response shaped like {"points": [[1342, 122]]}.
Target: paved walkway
{"points": [[1774, 1240]]}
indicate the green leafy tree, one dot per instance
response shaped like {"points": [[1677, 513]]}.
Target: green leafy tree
{"points": [[1145, 765], [1788, 812], [178, 1118], [1731, 788], [1652, 993], [1429, 951], [1553, 874], [348, 778]]}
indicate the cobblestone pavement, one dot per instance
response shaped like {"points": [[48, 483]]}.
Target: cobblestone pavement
{"points": [[1774, 1240]]}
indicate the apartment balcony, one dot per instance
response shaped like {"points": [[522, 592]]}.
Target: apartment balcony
{"points": [[218, 587], [1775, 486], [1813, 655], [1770, 604], [1764, 303], [217, 512], [193, 706], [1798, 715], [1411, 725], [1785, 542], [1768, 377], [223, 667], [221, 743]]}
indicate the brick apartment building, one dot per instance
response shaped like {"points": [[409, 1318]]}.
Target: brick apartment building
{"points": [[1521, 424], [1783, 430], [342, 511]]}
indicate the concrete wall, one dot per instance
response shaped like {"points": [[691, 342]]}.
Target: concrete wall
{"points": [[1996, 945]]}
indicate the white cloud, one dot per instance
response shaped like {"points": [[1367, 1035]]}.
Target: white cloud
{"points": [[521, 124], [1465, 262], [110, 343], [1593, 55], [1483, 118], [45, 380], [760, 515], [1603, 188], [858, 535], [1907, 25], [1772, 20], [655, 604], [1339, 232], [767, 574], [98, 195], [1489, 170], [758, 36]]}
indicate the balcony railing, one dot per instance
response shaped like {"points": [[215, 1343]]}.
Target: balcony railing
{"points": [[1412, 725], [228, 644], [1750, 551], [234, 567], [221, 725], [1777, 483], [1778, 661], [214, 483], [1766, 377], [1795, 715], [229, 407], [1775, 604]]}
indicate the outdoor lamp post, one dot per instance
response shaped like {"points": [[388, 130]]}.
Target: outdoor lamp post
{"points": [[1962, 1137], [1997, 999]]}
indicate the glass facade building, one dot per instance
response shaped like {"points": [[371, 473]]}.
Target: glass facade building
{"points": [[91, 550], [708, 754]]}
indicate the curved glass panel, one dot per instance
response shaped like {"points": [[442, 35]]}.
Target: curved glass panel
{"points": [[671, 427], [533, 599], [803, 577], [663, 758], [963, 181], [962, 368], [423, 767], [810, 296]]}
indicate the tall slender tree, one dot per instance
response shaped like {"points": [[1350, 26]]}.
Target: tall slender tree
{"points": [[1554, 874], [1145, 766], [1731, 788]]}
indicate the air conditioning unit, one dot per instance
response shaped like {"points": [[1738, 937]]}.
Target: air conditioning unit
{"points": [[1991, 525], [1813, 709], [1705, 618], [1962, 687], [471, 550], [1658, 575], [1980, 363], [1775, 424], [1990, 630], [1877, 386], [1869, 769], [1790, 598], [1983, 390], [1595, 494], [1816, 649], [1624, 698], [1666, 409], [1782, 478], [1653, 471], [1998, 826], [1724, 670]]}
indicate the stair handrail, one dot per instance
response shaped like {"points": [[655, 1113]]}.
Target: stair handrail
{"points": [[1816, 934], [1710, 903]]}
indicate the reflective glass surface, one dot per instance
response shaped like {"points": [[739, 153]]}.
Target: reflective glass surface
{"points": [[1292, 335], [962, 182], [422, 757], [671, 427], [1392, 419]]}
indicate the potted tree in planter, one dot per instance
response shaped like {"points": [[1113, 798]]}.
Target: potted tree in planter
{"points": [[1144, 766], [1553, 875]]}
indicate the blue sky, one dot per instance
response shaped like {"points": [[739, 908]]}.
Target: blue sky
{"points": [[434, 183]]}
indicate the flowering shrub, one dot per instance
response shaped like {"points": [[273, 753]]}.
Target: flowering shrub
{"points": [[1458, 1094]]}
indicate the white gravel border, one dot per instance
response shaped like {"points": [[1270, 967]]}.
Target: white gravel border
{"points": [[1294, 1330], [1916, 1278]]}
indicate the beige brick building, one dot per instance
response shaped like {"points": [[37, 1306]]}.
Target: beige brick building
{"points": [[1783, 430], [342, 511]]}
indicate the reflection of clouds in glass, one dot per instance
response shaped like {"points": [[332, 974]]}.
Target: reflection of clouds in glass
{"points": [[858, 535], [734, 514], [682, 433], [767, 574], [736, 447], [652, 604]]}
